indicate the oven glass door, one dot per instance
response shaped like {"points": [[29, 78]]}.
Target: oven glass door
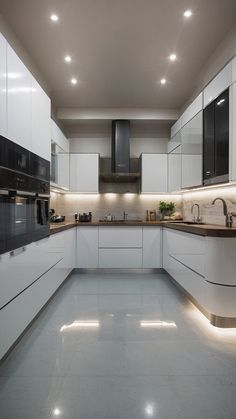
{"points": [[19, 221], [17, 158], [40, 227], [3, 204]]}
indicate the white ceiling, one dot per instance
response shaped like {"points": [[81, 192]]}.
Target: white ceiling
{"points": [[120, 48]]}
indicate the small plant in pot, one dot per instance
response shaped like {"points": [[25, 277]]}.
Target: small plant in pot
{"points": [[166, 209]]}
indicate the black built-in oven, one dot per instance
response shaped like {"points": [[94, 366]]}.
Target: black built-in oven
{"points": [[24, 196], [3, 213]]}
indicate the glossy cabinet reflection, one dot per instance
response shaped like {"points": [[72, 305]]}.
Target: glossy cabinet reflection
{"points": [[175, 170], [3, 86]]}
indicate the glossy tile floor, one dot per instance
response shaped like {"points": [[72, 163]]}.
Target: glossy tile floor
{"points": [[117, 346]]}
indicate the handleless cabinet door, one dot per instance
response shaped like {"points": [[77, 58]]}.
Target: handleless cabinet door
{"points": [[41, 122], [87, 247], [84, 173], [154, 173], [19, 100], [152, 247], [3, 86]]}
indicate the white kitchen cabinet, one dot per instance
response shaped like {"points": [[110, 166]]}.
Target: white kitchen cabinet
{"points": [[130, 258], [191, 170], [220, 83], [41, 122], [19, 100], [3, 86], [58, 137], [152, 247], [175, 170], [174, 142], [232, 131], [118, 237], [192, 135], [84, 173], [87, 247], [176, 127], [154, 173], [63, 170], [193, 109]]}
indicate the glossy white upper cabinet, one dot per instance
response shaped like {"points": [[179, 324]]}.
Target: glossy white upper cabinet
{"points": [[175, 170], [174, 142], [63, 170], [193, 109], [234, 70], [191, 170], [84, 173], [19, 100], [41, 122], [192, 135], [3, 86], [154, 173], [176, 127], [58, 137], [220, 83]]}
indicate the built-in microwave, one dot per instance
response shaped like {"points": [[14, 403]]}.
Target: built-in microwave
{"points": [[39, 167], [14, 157]]}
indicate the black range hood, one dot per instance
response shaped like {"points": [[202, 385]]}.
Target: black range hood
{"points": [[120, 154]]}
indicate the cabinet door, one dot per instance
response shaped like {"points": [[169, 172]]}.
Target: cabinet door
{"points": [[192, 135], [174, 170], [63, 170], [19, 96], [191, 170], [154, 173], [152, 247], [87, 247], [84, 173], [209, 142], [3, 86], [222, 134], [41, 122]]}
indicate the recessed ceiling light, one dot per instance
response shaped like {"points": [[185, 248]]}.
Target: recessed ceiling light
{"points": [[188, 13], [74, 80], [67, 58], [163, 81], [54, 18], [172, 57]]}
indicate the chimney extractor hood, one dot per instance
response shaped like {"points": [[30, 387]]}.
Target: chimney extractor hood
{"points": [[120, 154]]}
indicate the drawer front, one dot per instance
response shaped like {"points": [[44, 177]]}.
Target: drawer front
{"points": [[120, 237], [120, 258], [180, 243]]}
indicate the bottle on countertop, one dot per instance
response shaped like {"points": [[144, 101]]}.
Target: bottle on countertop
{"points": [[76, 216], [147, 216]]}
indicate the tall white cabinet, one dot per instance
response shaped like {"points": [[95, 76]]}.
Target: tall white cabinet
{"points": [[41, 122], [154, 173], [19, 109], [84, 173], [3, 86]]}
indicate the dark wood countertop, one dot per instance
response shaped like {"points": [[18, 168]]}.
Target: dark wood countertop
{"points": [[209, 230]]}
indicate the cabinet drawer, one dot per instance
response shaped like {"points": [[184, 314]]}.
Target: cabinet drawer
{"points": [[185, 243], [120, 258], [121, 237]]}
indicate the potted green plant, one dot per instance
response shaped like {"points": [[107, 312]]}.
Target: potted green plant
{"points": [[166, 208]]}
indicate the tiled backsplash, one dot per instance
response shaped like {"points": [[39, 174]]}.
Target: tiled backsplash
{"points": [[212, 214], [100, 205], [136, 205]]}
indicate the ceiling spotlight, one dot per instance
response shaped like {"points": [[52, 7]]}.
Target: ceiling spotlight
{"points": [[54, 18], [73, 81], [163, 81], [188, 13], [67, 58], [172, 57]]}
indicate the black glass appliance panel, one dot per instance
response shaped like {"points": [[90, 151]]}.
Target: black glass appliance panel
{"points": [[13, 181], [18, 221], [222, 134], [216, 140], [40, 218], [39, 167], [209, 141], [3, 205], [2, 150], [17, 157]]}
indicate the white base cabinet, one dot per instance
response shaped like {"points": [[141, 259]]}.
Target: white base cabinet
{"points": [[87, 247], [29, 279], [152, 247]]}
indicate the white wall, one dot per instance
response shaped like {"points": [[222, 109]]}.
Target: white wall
{"points": [[145, 137]]}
